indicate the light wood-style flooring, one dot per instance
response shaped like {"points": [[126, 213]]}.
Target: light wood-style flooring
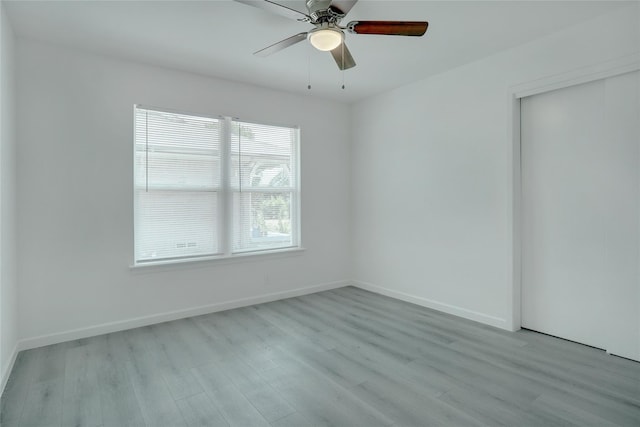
{"points": [[344, 357]]}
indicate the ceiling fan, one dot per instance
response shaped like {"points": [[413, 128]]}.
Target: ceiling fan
{"points": [[328, 35]]}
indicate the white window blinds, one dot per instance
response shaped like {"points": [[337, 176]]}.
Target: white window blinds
{"points": [[185, 207], [263, 181]]}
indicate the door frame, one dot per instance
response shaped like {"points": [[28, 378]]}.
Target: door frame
{"points": [[587, 74]]}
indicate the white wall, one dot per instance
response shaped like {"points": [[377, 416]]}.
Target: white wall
{"points": [[431, 200], [75, 199], [8, 278]]}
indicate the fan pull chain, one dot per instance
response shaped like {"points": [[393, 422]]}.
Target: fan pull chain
{"points": [[342, 65], [309, 68]]}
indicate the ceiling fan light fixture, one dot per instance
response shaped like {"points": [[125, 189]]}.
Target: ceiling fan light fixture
{"points": [[326, 38]]}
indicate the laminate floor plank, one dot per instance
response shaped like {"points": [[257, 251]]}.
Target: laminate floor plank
{"points": [[181, 384], [233, 405], [256, 325], [174, 356], [199, 411], [390, 319], [441, 329], [402, 308], [119, 404], [568, 413], [367, 334], [184, 344], [589, 397], [220, 349], [557, 375], [296, 330], [432, 318], [340, 369], [592, 368], [81, 404], [322, 401], [52, 361], [479, 377], [560, 366], [345, 357], [404, 337], [157, 405], [15, 393], [43, 405], [234, 333], [261, 395], [177, 376], [405, 407], [420, 387], [612, 410], [425, 381], [251, 350], [518, 385], [306, 314], [164, 344], [492, 410], [293, 420], [577, 353]]}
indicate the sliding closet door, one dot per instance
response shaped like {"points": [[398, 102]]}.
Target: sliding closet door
{"points": [[581, 217]]}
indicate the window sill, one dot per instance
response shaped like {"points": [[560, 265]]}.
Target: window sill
{"points": [[217, 260]]}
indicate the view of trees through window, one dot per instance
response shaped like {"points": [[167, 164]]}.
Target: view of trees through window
{"points": [[262, 157]]}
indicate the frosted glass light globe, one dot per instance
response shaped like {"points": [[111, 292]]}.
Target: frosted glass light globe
{"points": [[326, 38]]}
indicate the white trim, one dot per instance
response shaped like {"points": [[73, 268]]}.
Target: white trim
{"points": [[176, 111], [225, 234], [226, 191], [513, 231], [105, 328], [603, 70], [221, 259], [296, 214], [435, 305], [6, 370]]}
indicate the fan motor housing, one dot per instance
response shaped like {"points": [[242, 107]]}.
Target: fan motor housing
{"points": [[321, 12], [314, 5]]}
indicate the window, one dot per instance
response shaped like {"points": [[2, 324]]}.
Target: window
{"points": [[213, 187]]}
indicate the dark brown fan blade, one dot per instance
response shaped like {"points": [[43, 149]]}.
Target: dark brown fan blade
{"points": [[344, 61], [282, 44], [391, 28], [344, 6], [271, 6]]}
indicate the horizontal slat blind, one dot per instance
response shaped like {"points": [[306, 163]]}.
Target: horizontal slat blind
{"points": [[263, 181], [185, 208], [177, 185]]}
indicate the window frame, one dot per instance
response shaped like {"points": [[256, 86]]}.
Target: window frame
{"points": [[225, 216]]}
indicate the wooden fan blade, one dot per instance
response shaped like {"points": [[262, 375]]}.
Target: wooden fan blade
{"points": [[278, 9], [344, 6], [344, 61], [282, 44], [390, 28]]}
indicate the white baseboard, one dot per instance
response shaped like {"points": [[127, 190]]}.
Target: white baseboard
{"points": [[435, 305], [6, 370], [105, 328]]}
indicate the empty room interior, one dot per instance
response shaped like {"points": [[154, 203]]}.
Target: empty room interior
{"points": [[322, 212]]}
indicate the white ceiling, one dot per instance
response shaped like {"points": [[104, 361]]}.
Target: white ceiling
{"points": [[217, 38]]}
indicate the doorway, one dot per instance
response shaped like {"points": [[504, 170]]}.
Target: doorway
{"points": [[580, 213]]}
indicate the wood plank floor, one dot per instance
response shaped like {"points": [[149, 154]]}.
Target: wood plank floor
{"points": [[345, 357]]}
